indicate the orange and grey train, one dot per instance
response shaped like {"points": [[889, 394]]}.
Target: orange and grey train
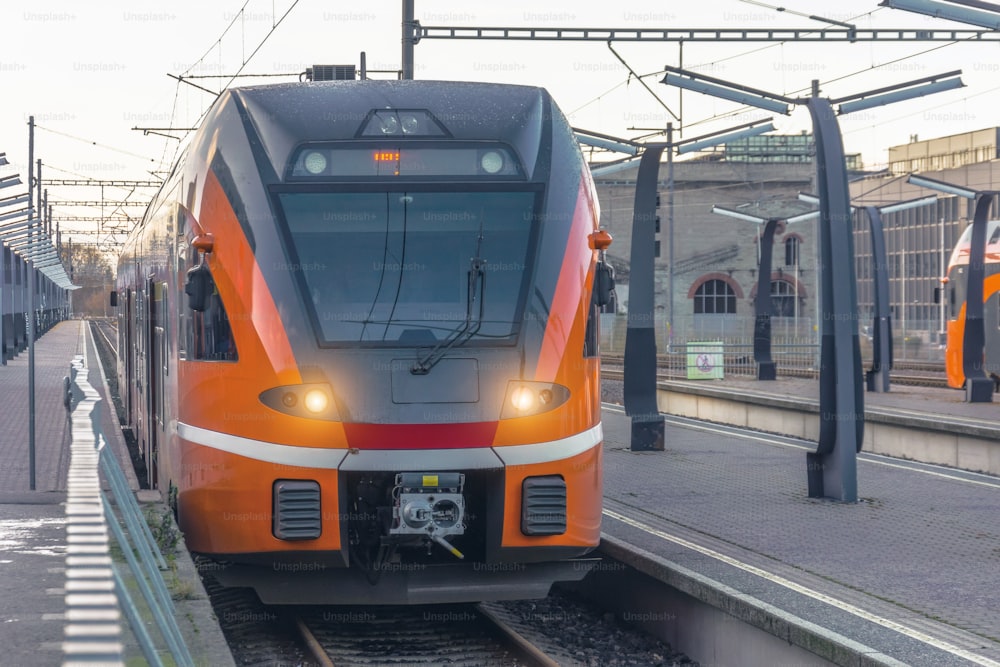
{"points": [[955, 286], [359, 342]]}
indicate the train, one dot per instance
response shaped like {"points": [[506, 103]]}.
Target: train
{"points": [[955, 285], [358, 342]]}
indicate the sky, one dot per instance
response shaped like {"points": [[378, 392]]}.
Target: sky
{"points": [[90, 72]]}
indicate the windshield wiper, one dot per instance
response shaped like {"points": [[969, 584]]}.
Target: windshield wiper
{"points": [[468, 328]]}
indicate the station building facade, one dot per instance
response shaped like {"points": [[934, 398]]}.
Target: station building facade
{"points": [[716, 258], [919, 241]]}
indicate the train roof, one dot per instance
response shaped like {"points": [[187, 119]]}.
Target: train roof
{"points": [[285, 115]]}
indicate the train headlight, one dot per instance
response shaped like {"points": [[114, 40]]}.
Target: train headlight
{"points": [[312, 401], [491, 162], [523, 399], [314, 162], [389, 124], [316, 401], [531, 398], [410, 123]]}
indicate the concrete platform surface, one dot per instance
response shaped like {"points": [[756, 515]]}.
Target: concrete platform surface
{"points": [[33, 536], [912, 570]]}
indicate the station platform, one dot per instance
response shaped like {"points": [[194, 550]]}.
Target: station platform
{"points": [[906, 576], [33, 535], [928, 424], [932, 402]]}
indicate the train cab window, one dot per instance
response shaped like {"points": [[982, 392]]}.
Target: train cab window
{"points": [[411, 267], [208, 336]]}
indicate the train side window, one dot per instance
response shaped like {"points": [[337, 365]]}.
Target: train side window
{"points": [[591, 339], [208, 334]]}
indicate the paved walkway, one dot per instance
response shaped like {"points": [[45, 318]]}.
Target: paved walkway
{"points": [[53, 353], [33, 523], [921, 549]]}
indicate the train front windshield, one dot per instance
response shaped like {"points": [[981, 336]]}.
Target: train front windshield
{"points": [[411, 267]]}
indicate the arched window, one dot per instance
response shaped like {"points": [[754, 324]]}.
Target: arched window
{"points": [[783, 298], [714, 297], [792, 251]]}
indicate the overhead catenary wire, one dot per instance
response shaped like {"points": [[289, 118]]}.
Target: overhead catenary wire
{"points": [[246, 60]]}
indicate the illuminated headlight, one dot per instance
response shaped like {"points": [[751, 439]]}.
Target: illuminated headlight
{"points": [[314, 162], [316, 401], [531, 398], [491, 162], [523, 399], [312, 401]]}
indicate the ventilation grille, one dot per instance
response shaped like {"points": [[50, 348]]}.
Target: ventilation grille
{"points": [[543, 506], [330, 73], [297, 514]]}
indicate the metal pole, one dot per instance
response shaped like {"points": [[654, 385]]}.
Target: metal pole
{"points": [[670, 236], [31, 311], [764, 305], [640, 334], [832, 469], [978, 387], [408, 42], [944, 272], [902, 296], [877, 379], [3, 286]]}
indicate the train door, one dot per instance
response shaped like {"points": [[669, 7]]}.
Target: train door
{"points": [[127, 355], [154, 378]]}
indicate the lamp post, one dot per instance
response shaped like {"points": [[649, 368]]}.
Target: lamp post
{"points": [[640, 334], [763, 305], [978, 386], [690, 145], [832, 468], [877, 377]]}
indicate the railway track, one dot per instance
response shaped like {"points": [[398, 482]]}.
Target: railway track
{"points": [[563, 629], [106, 331], [460, 635]]}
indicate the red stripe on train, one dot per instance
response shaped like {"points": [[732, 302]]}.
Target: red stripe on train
{"points": [[420, 436]]}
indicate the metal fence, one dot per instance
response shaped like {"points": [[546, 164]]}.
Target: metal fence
{"points": [[794, 345]]}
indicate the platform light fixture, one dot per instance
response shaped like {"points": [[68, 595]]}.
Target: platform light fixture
{"points": [[729, 91], [699, 143], [888, 208], [941, 186], [905, 91], [911, 203], [606, 142], [11, 201], [740, 215], [729, 135], [13, 215], [952, 11], [613, 167]]}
